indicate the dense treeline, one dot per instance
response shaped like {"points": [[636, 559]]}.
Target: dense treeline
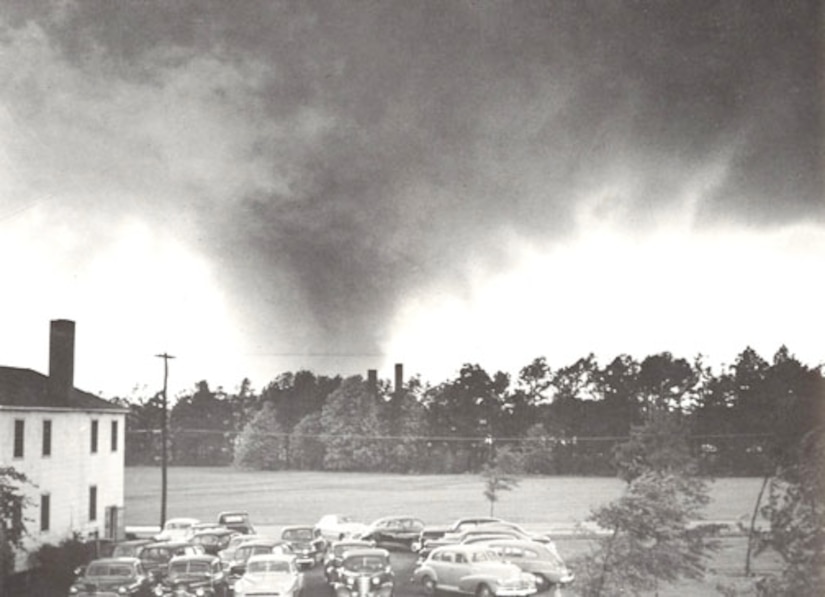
{"points": [[563, 421]]}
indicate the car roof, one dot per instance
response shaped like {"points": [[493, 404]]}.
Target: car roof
{"points": [[397, 517], [271, 557], [262, 542], [131, 542], [516, 542], [461, 547], [195, 558], [183, 519], [173, 544], [123, 560], [215, 531], [299, 527], [367, 551]]}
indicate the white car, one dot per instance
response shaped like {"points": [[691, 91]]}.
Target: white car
{"points": [[334, 527], [178, 529], [270, 574]]}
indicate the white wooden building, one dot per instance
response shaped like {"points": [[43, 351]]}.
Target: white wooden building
{"points": [[70, 446]]}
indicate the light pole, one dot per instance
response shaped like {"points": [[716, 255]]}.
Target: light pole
{"points": [[163, 439]]}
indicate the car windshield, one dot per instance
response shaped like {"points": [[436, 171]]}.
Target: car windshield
{"points": [[297, 535], [269, 566], [206, 539], [125, 551], [365, 563], [177, 568], [120, 570]]}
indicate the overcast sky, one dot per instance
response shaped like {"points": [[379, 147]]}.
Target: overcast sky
{"points": [[257, 187]]}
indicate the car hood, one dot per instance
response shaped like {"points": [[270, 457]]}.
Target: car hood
{"points": [[86, 585], [272, 581]]}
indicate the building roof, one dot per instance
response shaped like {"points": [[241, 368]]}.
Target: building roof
{"points": [[26, 388]]}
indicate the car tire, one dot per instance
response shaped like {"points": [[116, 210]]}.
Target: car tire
{"points": [[484, 590], [430, 586], [542, 584]]}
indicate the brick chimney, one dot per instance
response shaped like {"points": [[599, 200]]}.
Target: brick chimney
{"points": [[61, 360], [399, 378]]}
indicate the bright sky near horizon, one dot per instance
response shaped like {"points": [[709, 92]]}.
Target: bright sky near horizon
{"points": [[264, 187]]}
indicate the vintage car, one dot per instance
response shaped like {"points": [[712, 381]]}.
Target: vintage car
{"points": [[155, 557], [112, 577], [333, 527], [177, 529], [365, 573], [228, 553], [431, 533], [472, 535], [200, 575], [306, 542], [270, 574], [129, 549], [213, 540], [474, 570], [540, 559], [236, 520], [335, 553], [394, 531], [255, 547]]}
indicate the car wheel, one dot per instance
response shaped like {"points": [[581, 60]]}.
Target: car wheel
{"points": [[429, 585], [542, 584], [484, 591]]}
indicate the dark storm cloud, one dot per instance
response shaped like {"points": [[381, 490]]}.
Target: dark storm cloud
{"points": [[448, 125]]}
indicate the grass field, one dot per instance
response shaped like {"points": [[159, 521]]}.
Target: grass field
{"points": [[277, 498], [550, 504]]}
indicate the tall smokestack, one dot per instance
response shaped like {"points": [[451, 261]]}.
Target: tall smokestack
{"points": [[399, 378], [372, 381], [61, 360]]}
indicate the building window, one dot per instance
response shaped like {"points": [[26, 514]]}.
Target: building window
{"points": [[47, 437], [45, 502], [114, 436], [93, 503], [94, 437], [19, 437]]}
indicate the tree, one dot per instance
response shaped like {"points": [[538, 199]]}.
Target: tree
{"points": [[262, 443], [500, 474], [13, 502], [651, 537], [796, 512], [350, 421], [306, 449]]}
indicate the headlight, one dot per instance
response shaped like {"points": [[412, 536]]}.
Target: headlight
{"points": [[376, 580], [200, 592], [350, 580], [123, 590], [72, 590], [159, 591]]}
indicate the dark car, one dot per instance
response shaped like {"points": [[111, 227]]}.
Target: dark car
{"points": [[394, 531], [213, 540], [236, 520], [201, 575], [365, 573], [335, 556], [155, 557], [129, 549], [307, 544], [110, 577]]}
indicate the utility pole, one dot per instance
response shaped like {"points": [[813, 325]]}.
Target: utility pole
{"points": [[163, 433]]}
